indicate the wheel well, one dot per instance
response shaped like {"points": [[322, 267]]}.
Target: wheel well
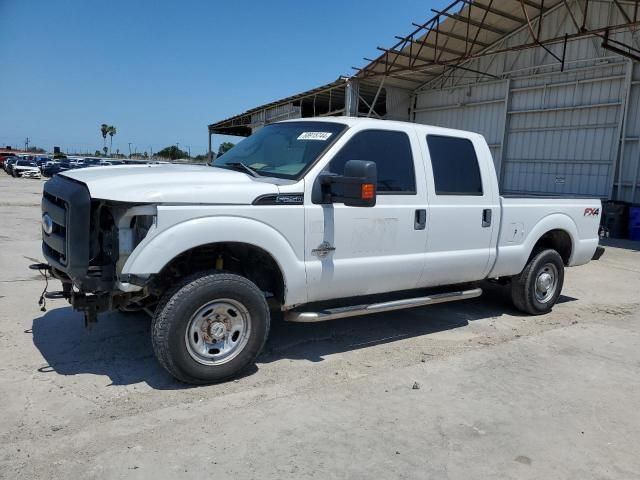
{"points": [[244, 259], [558, 240]]}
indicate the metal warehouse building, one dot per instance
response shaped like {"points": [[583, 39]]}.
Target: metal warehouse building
{"points": [[553, 85]]}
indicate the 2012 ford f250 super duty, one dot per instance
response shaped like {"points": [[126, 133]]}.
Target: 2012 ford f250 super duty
{"points": [[316, 217]]}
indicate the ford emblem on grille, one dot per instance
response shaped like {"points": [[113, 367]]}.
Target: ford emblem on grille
{"points": [[47, 224]]}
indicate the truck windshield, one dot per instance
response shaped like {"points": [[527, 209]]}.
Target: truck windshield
{"points": [[282, 150]]}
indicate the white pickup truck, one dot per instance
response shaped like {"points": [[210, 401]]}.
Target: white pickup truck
{"points": [[313, 217]]}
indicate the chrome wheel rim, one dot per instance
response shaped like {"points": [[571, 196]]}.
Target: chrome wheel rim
{"points": [[546, 283], [218, 331]]}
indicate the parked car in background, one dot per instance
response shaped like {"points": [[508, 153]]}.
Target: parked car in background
{"points": [[4, 156], [9, 163], [41, 160], [50, 168], [25, 168], [91, 162], [76, 162], [57, 166]]}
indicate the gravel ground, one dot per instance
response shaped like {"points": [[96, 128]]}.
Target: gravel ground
{"points": [[463, 390]]}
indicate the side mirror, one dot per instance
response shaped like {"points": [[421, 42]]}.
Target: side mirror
{"points": [[356, 188]]}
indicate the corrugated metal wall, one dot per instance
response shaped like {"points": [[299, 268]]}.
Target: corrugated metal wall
{"points": [[550, 131], [628, 175], [479, 108], [274, 114]]}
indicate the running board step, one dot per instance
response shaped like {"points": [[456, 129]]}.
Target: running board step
{"points": [[352, 311]]}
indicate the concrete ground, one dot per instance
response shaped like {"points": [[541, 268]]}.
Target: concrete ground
{"points": [[498, 394]]}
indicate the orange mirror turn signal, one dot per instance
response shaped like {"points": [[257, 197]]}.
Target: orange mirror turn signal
{"points": [[367, 191]]}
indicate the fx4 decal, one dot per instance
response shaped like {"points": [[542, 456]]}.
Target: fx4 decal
{"points": [[591, 212]]}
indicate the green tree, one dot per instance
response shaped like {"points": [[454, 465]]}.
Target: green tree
{"points": [[104, 130], [111, 131], [105, 150], [98, 153], [201, 158], [225, 147], [172, 153], [36, 150]]}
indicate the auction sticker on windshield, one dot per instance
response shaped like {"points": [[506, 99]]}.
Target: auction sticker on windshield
{"points": [[314, 136]]}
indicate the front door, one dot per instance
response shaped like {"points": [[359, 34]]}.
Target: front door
{"points": [[351, 251]]}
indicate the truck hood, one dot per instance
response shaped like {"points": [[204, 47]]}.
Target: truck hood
{"points": [[172, 184]]}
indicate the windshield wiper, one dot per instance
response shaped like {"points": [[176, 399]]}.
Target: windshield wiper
{"points": [[242, 166]]}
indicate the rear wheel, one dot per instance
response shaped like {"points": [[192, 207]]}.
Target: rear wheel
{"points": [[537, 288], [210, 327]]}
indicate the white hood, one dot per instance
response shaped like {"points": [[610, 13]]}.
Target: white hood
{"points": [[171, 184]]}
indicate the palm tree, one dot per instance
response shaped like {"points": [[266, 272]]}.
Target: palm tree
{"points": [[104, 129], [111, 130]]}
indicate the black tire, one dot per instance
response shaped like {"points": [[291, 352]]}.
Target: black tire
{"points": [[173, 316], [523, 285]]}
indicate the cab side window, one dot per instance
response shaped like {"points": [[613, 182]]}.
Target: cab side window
{"points": [[455, 166], [390, 150]]}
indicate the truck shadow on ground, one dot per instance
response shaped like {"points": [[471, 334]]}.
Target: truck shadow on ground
{"points": [[119, 345]]}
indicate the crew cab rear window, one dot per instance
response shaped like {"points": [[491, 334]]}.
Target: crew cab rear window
{"points": [[455, 166], [390, 150]]}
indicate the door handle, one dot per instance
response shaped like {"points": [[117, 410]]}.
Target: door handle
{"points": [[486, 217], [420, 220]]}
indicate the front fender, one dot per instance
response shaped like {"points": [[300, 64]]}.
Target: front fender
{"points": [[158, 249]]}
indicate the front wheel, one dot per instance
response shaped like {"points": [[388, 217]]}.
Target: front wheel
{"points": [[537, 288], [210, 327]]}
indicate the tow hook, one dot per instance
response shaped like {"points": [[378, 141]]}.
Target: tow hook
{"points": [[41, 266]]}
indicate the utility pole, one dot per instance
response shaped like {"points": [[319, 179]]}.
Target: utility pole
{"points": [[189, 148], [26, 144], [129, 149]]}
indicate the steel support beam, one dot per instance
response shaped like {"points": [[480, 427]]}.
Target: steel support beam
{"points": [[618, 159], [455, 36], [493, 10], [551, 41], [209, 155], [470, 21], [352, 97]]}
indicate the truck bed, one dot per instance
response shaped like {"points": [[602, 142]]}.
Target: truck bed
{"points": [[524, 220]]}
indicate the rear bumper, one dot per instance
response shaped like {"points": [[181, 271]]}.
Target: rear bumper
{"points": [[598, 253]]}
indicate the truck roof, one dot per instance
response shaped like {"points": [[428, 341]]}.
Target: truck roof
{"points": [[378, 123]]}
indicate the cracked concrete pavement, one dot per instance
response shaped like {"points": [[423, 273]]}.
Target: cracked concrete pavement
{"points": [[499, 394]]}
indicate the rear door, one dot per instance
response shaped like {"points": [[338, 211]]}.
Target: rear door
{"points": [[370, 249], [462, 210]]}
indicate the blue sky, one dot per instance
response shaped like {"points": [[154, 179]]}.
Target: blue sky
{"points": [[160, 71]]}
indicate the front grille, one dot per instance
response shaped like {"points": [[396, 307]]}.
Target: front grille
{"points": [[73, 246], [68, 204], [55, 244]]}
